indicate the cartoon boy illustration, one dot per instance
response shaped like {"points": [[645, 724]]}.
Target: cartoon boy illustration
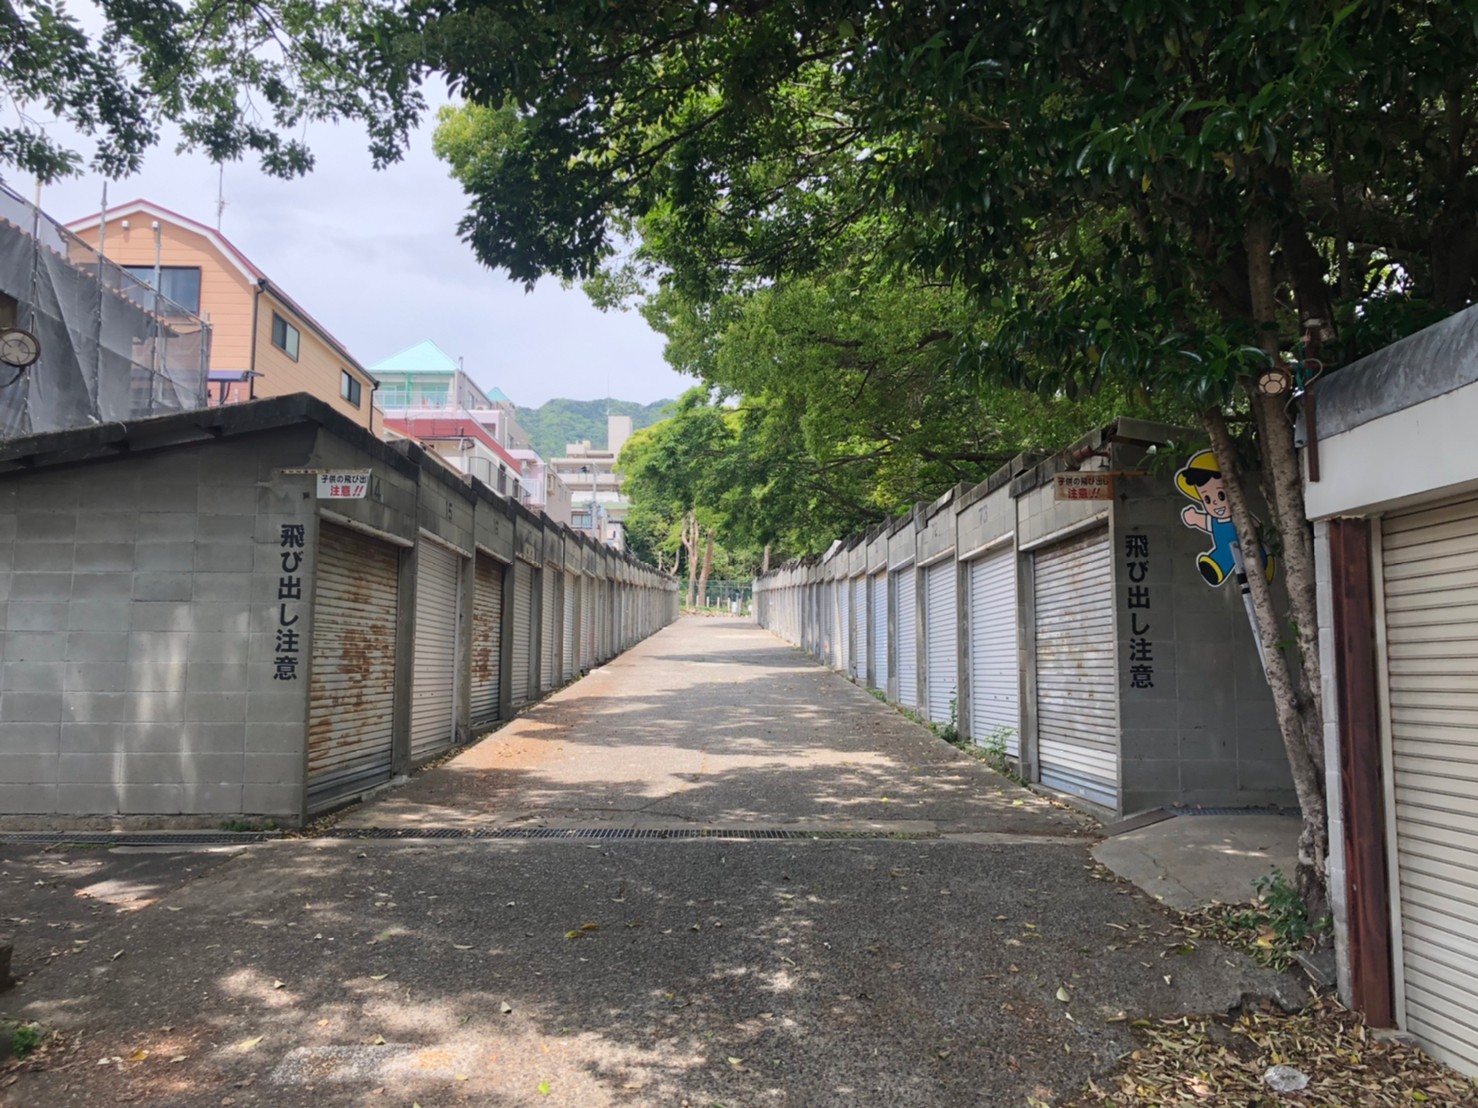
{"points": [[1201, 480]]}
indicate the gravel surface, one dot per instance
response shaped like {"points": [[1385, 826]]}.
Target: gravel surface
{"points": [[992, 964]]}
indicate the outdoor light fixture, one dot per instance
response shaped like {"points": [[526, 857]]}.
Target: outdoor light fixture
{"points": [[1276, 380]]}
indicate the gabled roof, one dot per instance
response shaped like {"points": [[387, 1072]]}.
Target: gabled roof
{"points": [[497, 395], [157, 211], [227, 250], [424, 357]]}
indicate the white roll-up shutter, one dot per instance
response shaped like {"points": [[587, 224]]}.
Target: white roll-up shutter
{"points": [[859, 628], [434, 688], [995, 704], [1077, 681], [523, 631], [842, 634], [908, 638], [487, 639], [549, 626], [589, 590], [879, 631], [352, 690], [1429, 562], [943, 675], [567, 641]]}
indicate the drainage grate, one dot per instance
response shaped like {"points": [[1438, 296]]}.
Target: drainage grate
{"points": [[1235, 812], [611, 833], [137, 838]]}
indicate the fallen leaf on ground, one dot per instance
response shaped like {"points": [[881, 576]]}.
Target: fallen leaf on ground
{"points": [[249, 1044]]}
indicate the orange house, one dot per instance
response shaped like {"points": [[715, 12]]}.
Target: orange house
{"points": [[262, 342]]}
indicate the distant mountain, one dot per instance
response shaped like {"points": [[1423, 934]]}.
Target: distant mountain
{"points": [[556, 424]]}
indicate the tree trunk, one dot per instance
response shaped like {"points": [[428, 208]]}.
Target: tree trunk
{"points": [[1296, 692], [690, 545], [707, 567], [1306, 768]]}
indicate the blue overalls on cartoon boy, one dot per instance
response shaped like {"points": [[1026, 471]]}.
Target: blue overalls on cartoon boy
{"points": [[1201, 480]]}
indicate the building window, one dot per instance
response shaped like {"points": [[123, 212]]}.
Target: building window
{"points": [[178, 283], [349, 387], [580, 520], [284, 336]]}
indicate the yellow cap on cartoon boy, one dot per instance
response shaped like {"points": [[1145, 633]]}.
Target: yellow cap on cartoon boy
{"points": [[1203, 465]]}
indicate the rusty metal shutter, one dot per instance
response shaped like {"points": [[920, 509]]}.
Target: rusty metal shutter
{"points": [[438, 613], [1429, 561], [548, 624], [995, 703], [943, 675], [567, 641], [487, 639], [523, 631], [352, 691], [1077, 681], [879, 631], [906, 582]]}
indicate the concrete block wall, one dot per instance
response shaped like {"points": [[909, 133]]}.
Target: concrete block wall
{"points": [[139, 637], [1040, 515], [1204, 732]]}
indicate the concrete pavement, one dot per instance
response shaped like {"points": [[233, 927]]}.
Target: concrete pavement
{"points": [[1193, 861], [988, 964]]}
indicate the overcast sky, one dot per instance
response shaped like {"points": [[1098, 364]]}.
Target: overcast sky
{"points": [[375, 257]]}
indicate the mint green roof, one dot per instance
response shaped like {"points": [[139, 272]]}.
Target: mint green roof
{"points": [[497, 395], [424, 357]]}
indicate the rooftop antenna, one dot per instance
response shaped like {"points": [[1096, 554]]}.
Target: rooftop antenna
{"points": [[220, 193]]}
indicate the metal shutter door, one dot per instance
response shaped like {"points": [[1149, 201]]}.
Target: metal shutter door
{"points": [[567, 642], [844, 625], [837, 611], [1077, 681], [548, 621], [994, 679], [880, 631], [859, 628], [943, 675], [487, 639], [352, 690], [588, 589], [523, 630], [434, 687], [1430, 564], [908, 638]]}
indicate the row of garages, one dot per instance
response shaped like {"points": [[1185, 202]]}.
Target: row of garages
{"points": [[1031, 625], [1078, 636], [201, 622]]}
